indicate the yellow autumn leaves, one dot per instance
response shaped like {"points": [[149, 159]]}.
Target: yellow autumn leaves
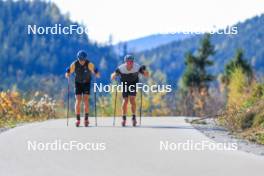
{"points": [[14, 108], [245, 102]]}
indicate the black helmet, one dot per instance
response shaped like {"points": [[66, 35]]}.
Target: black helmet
{"points": [[81, 55], [129, 58]]}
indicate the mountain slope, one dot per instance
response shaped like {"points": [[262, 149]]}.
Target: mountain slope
{"points": [[151, 41], [39, 61], [25, 56], [170, 58]]}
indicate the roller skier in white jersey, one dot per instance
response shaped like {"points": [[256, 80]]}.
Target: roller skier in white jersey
{"points": [[129, 73]]}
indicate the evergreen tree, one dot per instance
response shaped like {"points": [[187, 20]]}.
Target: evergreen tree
{"points": [[196, 74], [27, 59], [237, 62], [196, 79]]}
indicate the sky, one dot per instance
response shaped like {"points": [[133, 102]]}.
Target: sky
{"points": [[131, 19]]}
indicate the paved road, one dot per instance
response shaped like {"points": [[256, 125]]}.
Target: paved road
{"points": [[117, 151]]}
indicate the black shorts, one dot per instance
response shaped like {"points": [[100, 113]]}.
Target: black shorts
{"points": [[129, 92], [82, 88]]}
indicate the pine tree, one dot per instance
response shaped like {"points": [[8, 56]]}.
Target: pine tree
{"points": [[196, 79], [237, 62], [196, 74]]}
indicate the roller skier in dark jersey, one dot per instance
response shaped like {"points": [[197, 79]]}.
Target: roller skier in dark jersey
{"points": [[83, 70], [129, 72]]}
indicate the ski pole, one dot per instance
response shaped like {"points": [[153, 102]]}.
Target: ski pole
{"points": [[115, 107], [140, 109], [68, 101], [95, 110]]}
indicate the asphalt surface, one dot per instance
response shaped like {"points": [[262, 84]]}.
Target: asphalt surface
{"points": [[43, 149]]}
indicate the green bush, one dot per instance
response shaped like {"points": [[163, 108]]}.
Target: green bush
{"points": [[262, 125], [260, 138], [258, 120], [258, 91], [246, 120]]}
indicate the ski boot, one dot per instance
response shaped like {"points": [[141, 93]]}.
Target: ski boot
{"points": [[86, 123], [123, 123], [77, 123], [134, 122]]}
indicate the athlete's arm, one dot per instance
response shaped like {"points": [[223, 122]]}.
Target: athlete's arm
{"points": [[115, 74], [144, 71], [70, 70], [94, 70]]}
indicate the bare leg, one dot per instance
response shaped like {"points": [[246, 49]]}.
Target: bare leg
{"points": [[124, 106], [86, 103], [132, 100], [124, 110], [86, 109], [78, 100]]}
